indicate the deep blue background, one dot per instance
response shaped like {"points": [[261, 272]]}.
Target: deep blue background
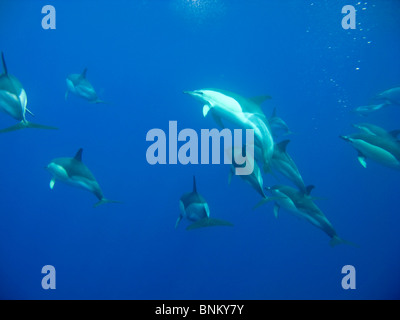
{"points": [[140, 56]]}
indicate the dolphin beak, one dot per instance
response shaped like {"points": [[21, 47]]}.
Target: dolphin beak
{"points": [[345, 138], [189, 92]]}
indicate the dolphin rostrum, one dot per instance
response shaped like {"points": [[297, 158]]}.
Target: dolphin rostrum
{"points": [[13, 101], [73, 172], [194, 208], [301, 205], [80, 86], [243, 112], [283, 163], [383, 150]]}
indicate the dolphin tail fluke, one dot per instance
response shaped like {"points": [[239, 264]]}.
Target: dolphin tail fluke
{"points": [[98, 101], [104, 201], [26, 124], [209, 222], [336, 240]]}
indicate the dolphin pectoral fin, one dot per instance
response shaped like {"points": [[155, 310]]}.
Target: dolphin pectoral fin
{"points": [[178, 221], [4, 63], [209, 222], [260, 99], [231, 174], [66, 94], [206, 109], [30, 112], [52, 183], [264, 201], [276, 210], [104, 201], [361, 160]]}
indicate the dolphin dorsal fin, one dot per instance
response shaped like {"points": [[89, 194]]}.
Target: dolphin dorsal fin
{"points": [[282, 145], [4, 63], [194, 185], [78, 155], [83, 74], [260, 99], [309, 189], [395, 133], [273, 115]]}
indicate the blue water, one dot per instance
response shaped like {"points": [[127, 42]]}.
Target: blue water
{"points": [[141, 56]]}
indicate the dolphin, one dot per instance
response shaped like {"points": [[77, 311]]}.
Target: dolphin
{"points": [[73, 172], [80, 86], [283, 163], [194, 208], [382, 150], [254, 179], [13, 101], [301, 205], [375, 130], [243, 112], [365, 110], [278, 125], [390, 96]]}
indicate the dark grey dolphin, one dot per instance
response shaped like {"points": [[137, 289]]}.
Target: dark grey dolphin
{"points": [[80, 86], [194, 208], [375, 130], [73, 172], [365, 110], [383, 150], [278, 125], [254, 179], [13, 101], [301, 205], [283, 163], [390, 96]]}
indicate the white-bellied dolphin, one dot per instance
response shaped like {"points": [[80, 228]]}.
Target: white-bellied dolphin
{"points": [[390, 96], [80, 86], [365, 110], [379, 149], [283, 163], [13, 101], [73, 172], [194, 208], [243, 112], [375, 130], [301, 205], [278, 125]]}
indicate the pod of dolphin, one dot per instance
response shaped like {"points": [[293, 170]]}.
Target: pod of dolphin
{"points": [[371, 142]]}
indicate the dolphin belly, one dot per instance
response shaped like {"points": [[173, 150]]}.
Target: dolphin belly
{"points": [[10, 104], [197, 211], [86, 92], [376, 153], [59, 173]]}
